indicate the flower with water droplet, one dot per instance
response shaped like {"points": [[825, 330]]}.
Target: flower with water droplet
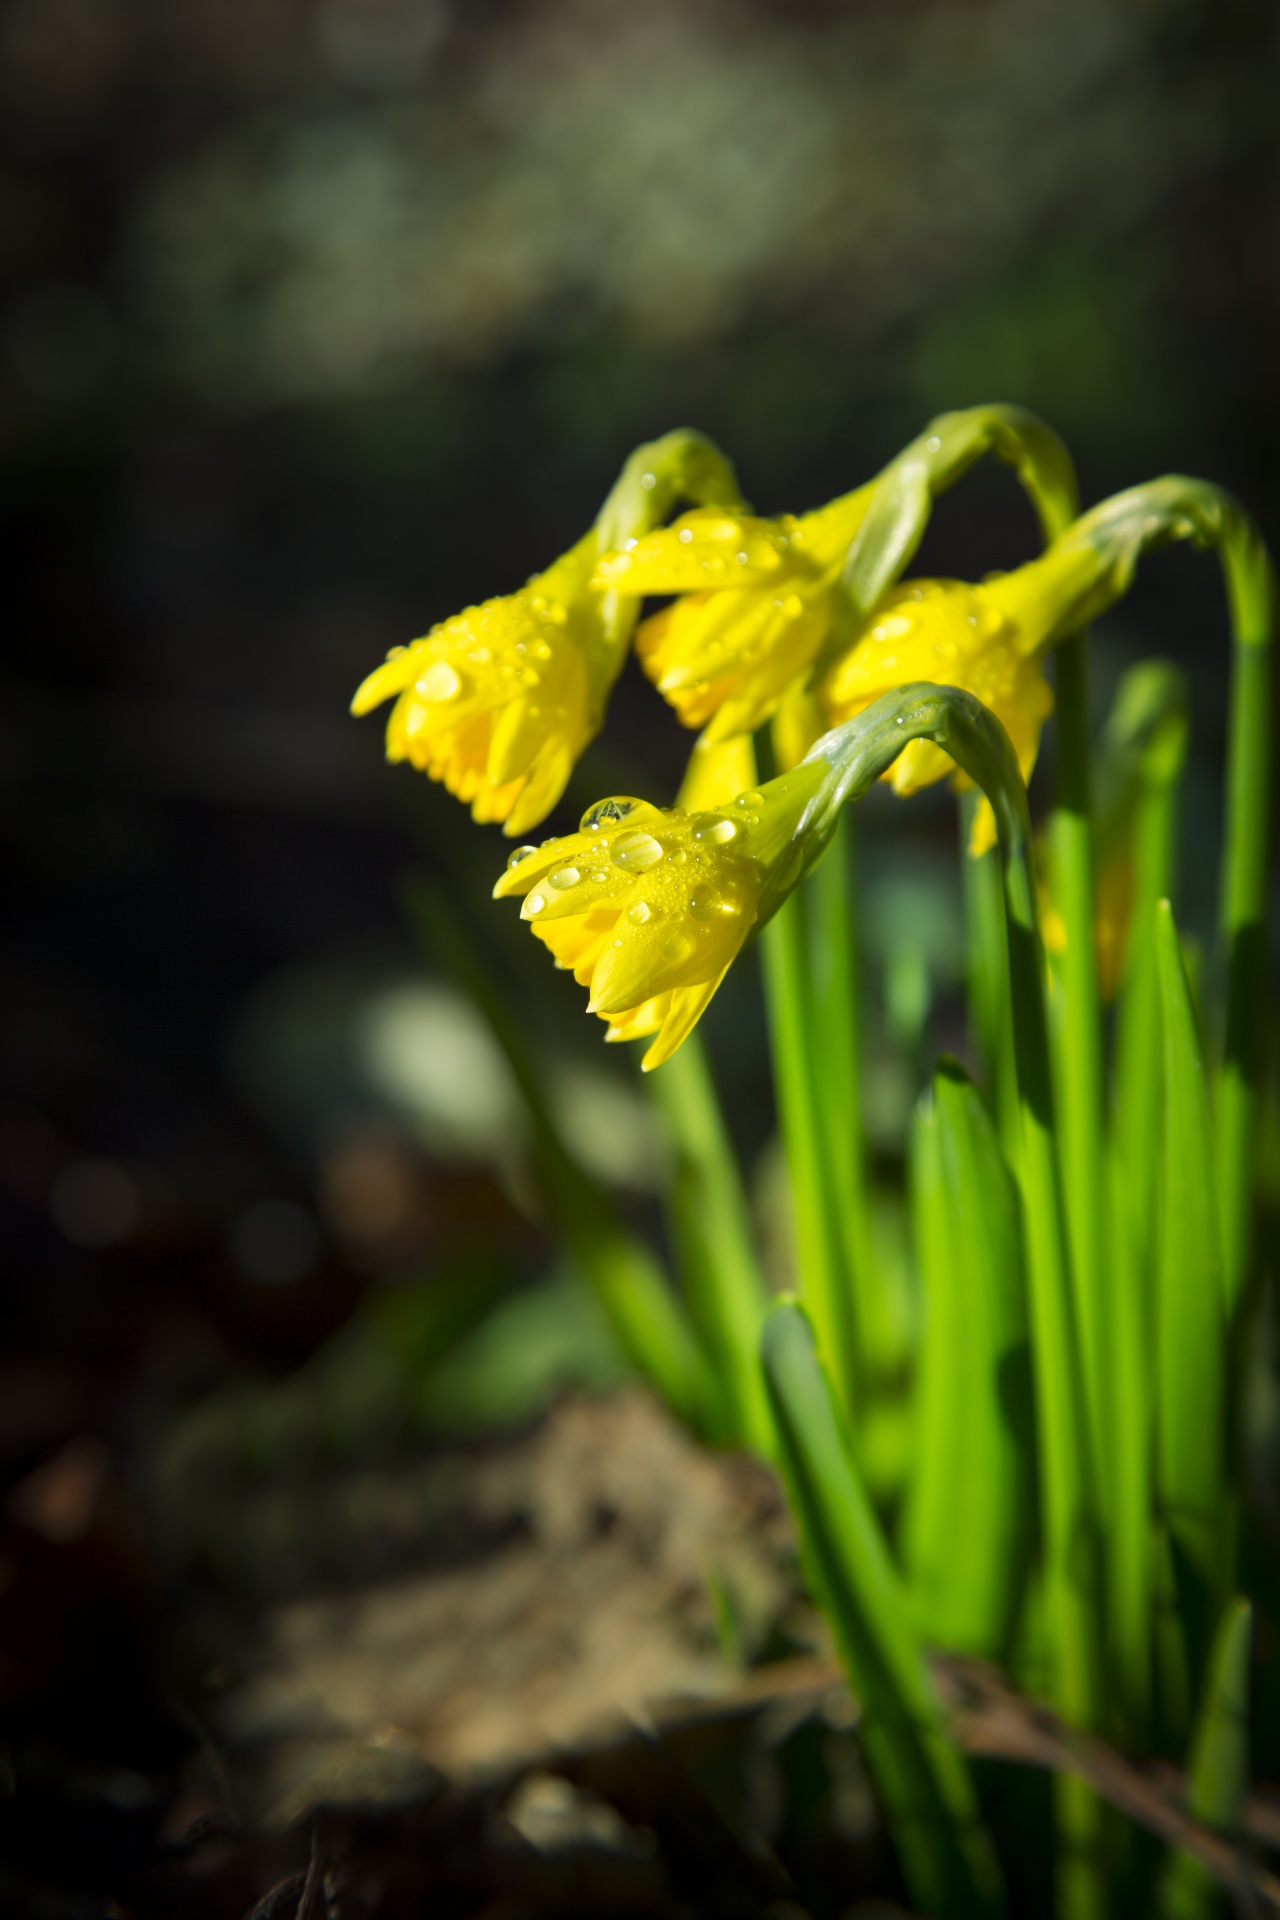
{"points": [[653, 932], [471, 708], [989, 639], [759, 600]]}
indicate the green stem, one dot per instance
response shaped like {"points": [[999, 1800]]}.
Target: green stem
{"points": [[1080, 1045], [1100, 551], [1068, 1499], [1243, 921], [930, 1805], [650, 1323], [787, 973], [723, 1284], [988, 967], [837, 1069]]}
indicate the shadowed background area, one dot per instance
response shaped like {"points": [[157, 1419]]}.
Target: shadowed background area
{"points": [[324, 318]]}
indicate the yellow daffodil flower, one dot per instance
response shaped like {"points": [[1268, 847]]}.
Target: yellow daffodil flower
{"points": [[650, 906], [499, 702], [760, 599], [988, 639]]}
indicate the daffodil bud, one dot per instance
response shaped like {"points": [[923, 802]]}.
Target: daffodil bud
{"points": [[499, 702], [650, 906]]}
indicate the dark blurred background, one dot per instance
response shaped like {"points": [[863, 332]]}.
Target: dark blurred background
{"points": [[323, 318]]}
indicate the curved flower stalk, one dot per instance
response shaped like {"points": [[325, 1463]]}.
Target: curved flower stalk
{"points": [[991, 638], [499, 701], [763, 600]]}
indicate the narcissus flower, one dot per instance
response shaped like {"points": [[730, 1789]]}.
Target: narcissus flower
{"points": [[988, 639], [499, 701], [650, 906], [760, 599]]}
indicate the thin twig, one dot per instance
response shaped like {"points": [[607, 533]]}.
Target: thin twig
{"points": [[988, 1719]]}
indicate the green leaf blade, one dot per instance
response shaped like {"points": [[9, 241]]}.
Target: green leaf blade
{"points": [[924, 1780], [974, 1451]]}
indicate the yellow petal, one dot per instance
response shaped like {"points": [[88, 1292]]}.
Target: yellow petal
{"points": [[684, 1012], [391, 677], [644, 1019], [647, 960], [543, 788], [706, 548], [718, 771]]}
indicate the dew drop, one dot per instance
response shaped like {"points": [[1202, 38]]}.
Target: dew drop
{"points": [[521, 853], [933, 444], [564, 877], [639, 911], [708, 903], [751, 798], [597, 879], [541, 651], [440, 682], [628, 544], [606, 811], [636, 851], [534, 904], [717, 831], [686, 534], [648, 480], [742, 558]]}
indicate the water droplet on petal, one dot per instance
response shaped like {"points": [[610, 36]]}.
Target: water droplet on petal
{"points": [[564, 877], [534, 904], [717, 831], [742, 558], [648, 480], [707, 903], [598, 878], [686, 534], [639, 911], [605, 811], [933, 444], [521, 853], [636, 851], [751, 798], [440, 682]]}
